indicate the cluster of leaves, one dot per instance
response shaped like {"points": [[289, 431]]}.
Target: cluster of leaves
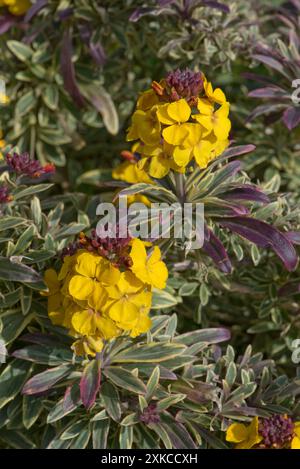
{"points": [[82, 69], [72, 72], [168, 390]]}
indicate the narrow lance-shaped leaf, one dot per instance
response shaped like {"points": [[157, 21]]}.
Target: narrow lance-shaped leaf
{"points": [[246, 192], [45, 380], [34, 9], [68, 69], [264, 235], [90, 383], [215, 250], [291, 117], [17, 272]]}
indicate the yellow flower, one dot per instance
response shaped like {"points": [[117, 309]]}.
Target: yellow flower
{"points": [[295, 444], [216, 96], [97, 302], [89, 345], [168, 138], [149, 269], [145, 126], [131, 173], [147, 100], [126, 299], [16, 7], [174, 115], [245, 436], [214, 121], [91, 270]]}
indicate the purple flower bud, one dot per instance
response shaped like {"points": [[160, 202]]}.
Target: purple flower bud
{"points": [[277, 431], [23, 165], [150, 414], [184, 84]]}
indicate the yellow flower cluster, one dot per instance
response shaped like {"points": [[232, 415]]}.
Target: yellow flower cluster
{"points": [[98, 300], [16, 7], [173, 125]]}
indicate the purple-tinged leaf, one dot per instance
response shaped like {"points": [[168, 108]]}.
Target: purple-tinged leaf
{"points": [[246, 192], [71, 398], [264, 235], [68, 70], [213, 335], [46, 380], [268, 92], [265, 109], [272, 63], [35, 9], [291, 117], [90, 383], [42, 339], [294, 39], [97, 52], [215, 250], [258, 78], [289, 289], [66, 405], [6, 22], [165, 3], [66, 13], [95, 48], [144, 11], [293, 236], [238, 150], [178, 435], [217, 5], [216, 208], [228, 171]]}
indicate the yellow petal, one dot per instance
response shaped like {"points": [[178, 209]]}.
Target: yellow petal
{"points": [[129, 283], [236, 433], [295, 444], [205, 107], [158, 272], [86, 264], [205, 121], [81, 287], [182, 156], [163, 116], [180, 111], [124, 313], [297, 429], [107, 273], [51, 280], [147, 100], [83, 322], [106, 327], [222, 128], [175, 134], [218, 96], [158, 166], [98, 297], [143, 325], [202, 153], [223, 111]]}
